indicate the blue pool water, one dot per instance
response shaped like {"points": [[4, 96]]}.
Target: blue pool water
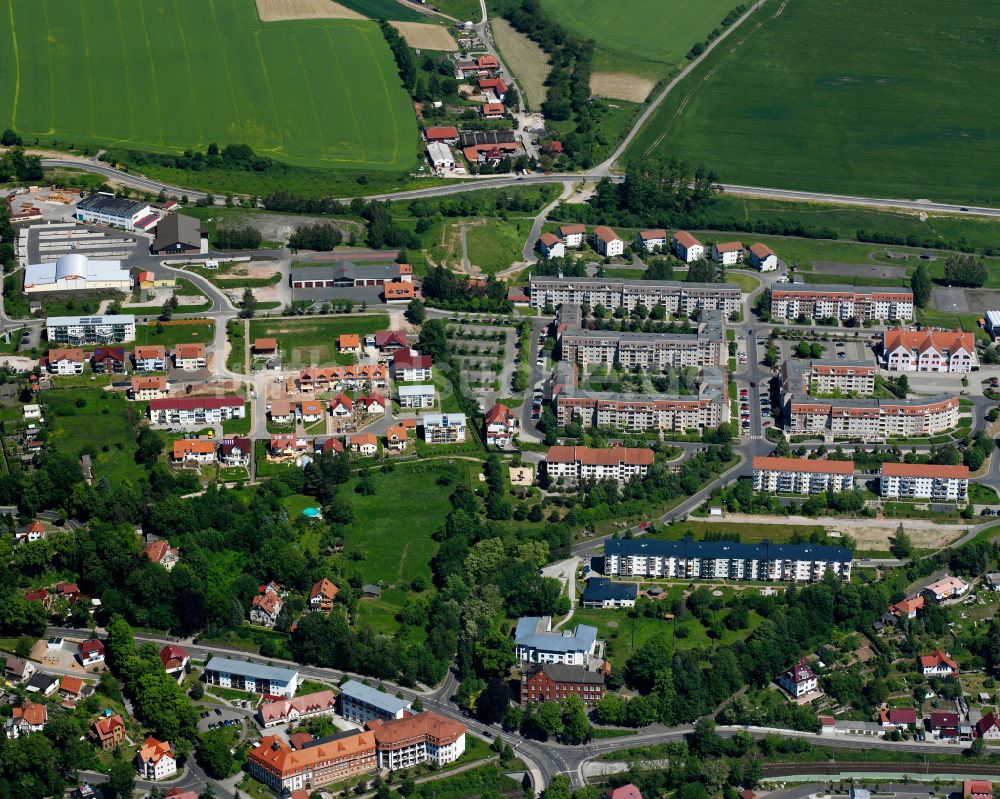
{"points": [[312, 513]]}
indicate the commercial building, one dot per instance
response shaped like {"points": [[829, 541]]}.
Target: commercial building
{"points": [[928, 351], [706, 346], [536, 642], [802, 476], [603, 593], [76, 272], [841, 302], [828, 377], [417, 738], [195, 410], [872, 420], [586, 463], [292, 711], [444, 428], [440, 156], [708, 406], [674, 296], [106, 209], [318, 763], [91, 329], [253, 677], [687, 247], [924, 481], [179, 233], [713, 560], [557, 681], [344, 274], [362, 703]]}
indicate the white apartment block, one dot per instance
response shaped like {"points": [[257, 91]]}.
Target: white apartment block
{"points": [[828, 377], [536, 642], [419, 396], [585, 463], [872, 420], [763, 258], [649, 240], [195, 410], [924, 481], [675, 296], [423, 737], [928, 351], [687, 247], [713, 560], [444, 428], [607, 242], [728, 253], [91, 329], [66, 361], [572, 235], [840, 302], [802, 476]]}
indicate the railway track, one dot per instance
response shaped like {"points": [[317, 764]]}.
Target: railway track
{"points": [[835, 767]]}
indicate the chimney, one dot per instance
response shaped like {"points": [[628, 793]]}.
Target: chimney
{"points": [[204, 242]]}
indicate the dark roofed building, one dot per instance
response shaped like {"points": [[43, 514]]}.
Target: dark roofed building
{"points": [[345, 274], [177, 233], [557, 681], [488, 138], [603, 593], [107, 209]]}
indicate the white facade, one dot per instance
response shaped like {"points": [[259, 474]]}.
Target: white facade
{"points": [[444, 428], [440, 156], [536, 642], [763, 258], [421, 396], [873, 420], [572, 235], [551, 246], [922, 351], [583, 463], [675, 296], [938, 483], [799, 681], [253, 677], [76, 272], [67, 365], [840, 302], [727, 254], [361, 703], [106, 209], [607, 242], [649, 240], [91, 329], [687, 247], [165, 412], [800, 476]]}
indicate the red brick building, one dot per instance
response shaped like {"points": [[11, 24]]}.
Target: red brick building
{"points": [[557, 681]]}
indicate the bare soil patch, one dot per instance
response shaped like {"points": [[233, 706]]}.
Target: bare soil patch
{"points": [[424, 36], [621, 86], [525, 59], [278, 10]]}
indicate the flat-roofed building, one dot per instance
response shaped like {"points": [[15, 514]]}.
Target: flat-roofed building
{"points": [[102, 208], [674, 296], [76, 272], [585, 463], [714, 560], [256, 678], [814, 301], [416, 396], [361, 703], [924, 481], [444, 428], [802, 476], [91, 329]]}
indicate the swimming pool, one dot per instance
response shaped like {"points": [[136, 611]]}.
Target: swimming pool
{"points": [[312, 513]]}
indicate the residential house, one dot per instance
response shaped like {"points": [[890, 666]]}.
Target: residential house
{"points": [[322, 595], [342, 406], [908, 608], [813, 301], [410, 365], [235, 451], [282, 412], [332, 445], [801, 475], [41, 683], [32, 531], [152, 358], [943, 723], [293, 711], [154, 760], [444, 428], [557, 681], [493, 87], [29, 717], [91, 652], [799, 680], [929, 351], [627, 791], [395, 438], [650, 240], [988, 727], [937, 664], [174, 659], [572, 235], [349, 343], [536, 642], [898, 718], [71, 688], [763, 258], [311, 411], [161, 552], [416, 396], [365, 376], [265, 609], [190, 357], [607, 242], [365, 444], [143, 388], [257, 678], [108, 732], [388, 341], [361, 703], [551, 246], [283, 445], [108, 360], [66, 361], [196, 410], [728, 253], [977, 789], [373, 404], [18, 669], [603, 593], [266, 346], [501, 424], [576, 464], [492, 111], [948, 587], [687, 247], [193, 450]]}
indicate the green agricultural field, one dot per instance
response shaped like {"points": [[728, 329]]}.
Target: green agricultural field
{"points": [[179, 74], [847, 97], [385, 9], [647, 36], [314, 341]]}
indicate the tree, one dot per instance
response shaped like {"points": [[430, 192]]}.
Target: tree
{"points": [[166, 311], [248, 304], [576, 728], [433, 340], [920, 284], [547, 719], [213, 754], [558, 787], [902, 544], [965, 270], [416, 312], [121, 777]]}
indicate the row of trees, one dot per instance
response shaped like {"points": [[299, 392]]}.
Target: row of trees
{"points": [[322, 236], [15, 165]]}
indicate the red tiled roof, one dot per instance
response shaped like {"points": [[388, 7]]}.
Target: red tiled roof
{"points": [[652, 234], [804, 465], [173, 657], [569, 230], [932, 470], [761, 250], [441, 133], [590, 456], [606, 234], [183, 351], [549, 239], [923, 340], [937, 658], [729, 246]]}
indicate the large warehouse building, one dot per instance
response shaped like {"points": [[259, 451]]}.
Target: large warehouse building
{"points": [[106, 209], [76, 272]]}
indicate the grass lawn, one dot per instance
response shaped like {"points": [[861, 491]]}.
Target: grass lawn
{"points": [[495, 245], [176, 332], [237, 427], [313, 341], [526, 59], [105, 426], [980, 494], [236, 357], [296, 503], [968, 322], [748, 533], [380, 614], [322, 93], [747, 283], [804, 71]]}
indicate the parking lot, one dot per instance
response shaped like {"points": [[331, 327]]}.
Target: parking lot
{"points": [[848, 349], [213, 717]]}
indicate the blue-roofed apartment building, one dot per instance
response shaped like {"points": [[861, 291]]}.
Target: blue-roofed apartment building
{"points": [[361, 703], [256, 678], [603, 593], [536, 642]]}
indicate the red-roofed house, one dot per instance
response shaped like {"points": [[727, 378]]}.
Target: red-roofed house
{"points": [[447, 134], [33, 531], [988, 727], [265, 608], [155, 760], [977, 789], [342, 406], [763, 258], [937, 664], [607, 242], [898, 717], [265, 346], [174, 659], [395, 438], [799, 680], [373, 403], [398, 291], [322, 595], [727, 253], [333, 445], [91, 652], [409, 365], [391, 340], [66, 361], [649, 240], [628, 791], [908, 608], [235, 451], [190, 357], [944, 723], [107, 732], [572, 235], [928, 351], [162, 553], [194, 450], [551, 246], [109, 360], [364, 443], [501, 423], [492, 110], [29, 717]]}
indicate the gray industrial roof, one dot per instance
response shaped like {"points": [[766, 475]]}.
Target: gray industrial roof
{"points": [[530, 633], [102, 203], [688, 548], [372, 696], [256, 670]]}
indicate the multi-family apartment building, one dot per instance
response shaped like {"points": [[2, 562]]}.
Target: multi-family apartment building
{"points": [[417, 738], [712, 560], [872, 420], [318, 763], [444, 428], [840, 302], [687, 247], [708, 406], [66, 361], [91, 329], [148, 387], [924, 481], [190, 357], [362, 703], [195, 410], [675, 296], [828, 377], [150, 359], [801, 476], [536, 642], [705, 347], [586, 463], [928, 351], [555, 681], [256, 678]]}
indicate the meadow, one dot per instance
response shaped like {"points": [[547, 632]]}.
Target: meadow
{"points": [[94, 421], [314, 341], [181, 74], [810, 102]]}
